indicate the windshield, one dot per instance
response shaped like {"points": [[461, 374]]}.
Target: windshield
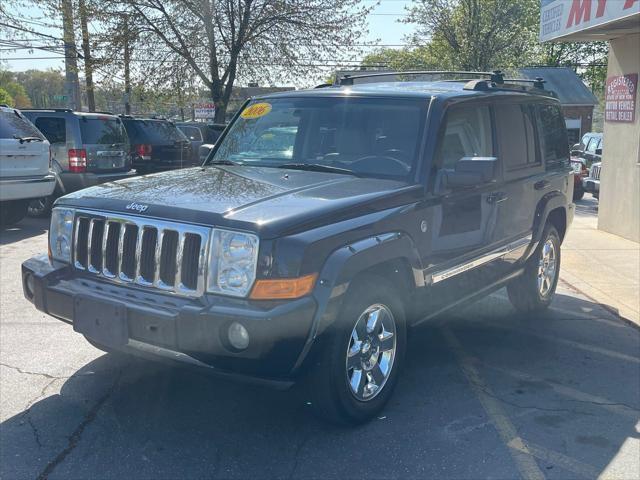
{"points": [[102, 131], [367, 136]]}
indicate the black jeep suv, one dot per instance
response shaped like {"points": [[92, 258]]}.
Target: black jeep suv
{"points": [[323, 225]]}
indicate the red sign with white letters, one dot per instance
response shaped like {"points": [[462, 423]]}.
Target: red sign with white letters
{"points": [[620, 98]]}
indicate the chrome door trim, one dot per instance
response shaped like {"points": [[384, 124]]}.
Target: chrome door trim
{"points": [[481, 260]]}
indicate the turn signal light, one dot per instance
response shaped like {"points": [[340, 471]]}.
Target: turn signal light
{"points": [[77, 160], [283, 288]]}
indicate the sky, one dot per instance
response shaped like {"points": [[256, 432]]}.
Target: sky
{"points": [[384, 29]]}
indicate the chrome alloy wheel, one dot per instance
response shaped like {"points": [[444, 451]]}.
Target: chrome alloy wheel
{"points": [[372, 349], [547, 266]]}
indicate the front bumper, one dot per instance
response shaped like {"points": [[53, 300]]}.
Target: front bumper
{"points": [[72, 182], [184, 330], [23, 188]]}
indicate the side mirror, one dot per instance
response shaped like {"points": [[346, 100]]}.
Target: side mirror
{"points": [[576, 146], [598, 151], [471, 171]]}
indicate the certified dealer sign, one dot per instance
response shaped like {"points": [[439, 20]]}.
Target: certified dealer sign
{"points": [[620, 98]]}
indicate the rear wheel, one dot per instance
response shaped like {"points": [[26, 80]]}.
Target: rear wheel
{"points": [[356, 372], [535, 288], [41, 207], [13, 211]]}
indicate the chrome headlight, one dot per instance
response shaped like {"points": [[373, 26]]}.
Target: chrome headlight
{"points": [[232, 262], [61, 234]]}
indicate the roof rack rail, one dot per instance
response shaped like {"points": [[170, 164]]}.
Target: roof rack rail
{"points": [[511, 85], [102, 112], [496, 76]]}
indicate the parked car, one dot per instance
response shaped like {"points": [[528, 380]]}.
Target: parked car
{"points": [[25, 168], [591, 183], [86, 149], [199, 134], [589, 148], [390, 203], [580, 171], [157, 144]]}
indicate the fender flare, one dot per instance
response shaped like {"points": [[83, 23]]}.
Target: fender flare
{"points": [[549, 202], [343, 265]]}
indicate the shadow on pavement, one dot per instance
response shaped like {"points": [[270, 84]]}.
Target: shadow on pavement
{"points": [[567, 379], [26, 228]]}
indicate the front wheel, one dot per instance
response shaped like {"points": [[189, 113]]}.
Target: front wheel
{"points": [[357, 370], [535, 288], [578, 193], [41, 207]]}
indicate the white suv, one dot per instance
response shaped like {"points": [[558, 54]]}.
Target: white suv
{"points": [[24, 165]]}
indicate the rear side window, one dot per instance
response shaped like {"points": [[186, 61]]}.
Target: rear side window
{"points": [[554, 136], [517, 136], [12, 125], [102, 131], [467, 133], [54, 128], [157, 131], [192, 133]]}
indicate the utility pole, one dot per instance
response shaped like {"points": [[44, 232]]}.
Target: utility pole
{"points": [[127, 73], [72, 89], [88, 61]]}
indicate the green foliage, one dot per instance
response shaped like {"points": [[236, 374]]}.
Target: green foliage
{"points": [[5, 98], [15, 90]]}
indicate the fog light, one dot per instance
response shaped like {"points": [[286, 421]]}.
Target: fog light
{"points": [[238, 336], [30, 285]]}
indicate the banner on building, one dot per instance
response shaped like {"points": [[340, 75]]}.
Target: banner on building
{"points": [[620, 98], [562, 17], [204, 110]]}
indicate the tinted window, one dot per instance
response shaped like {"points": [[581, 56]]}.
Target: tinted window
{"points": [[517, 135], [12, 125], [467, 134], [593, 144], [192, 133], [54, 128], [372, 137], [153, 131], [102, 131], [554, 136]]}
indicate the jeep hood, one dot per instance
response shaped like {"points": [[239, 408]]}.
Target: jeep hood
{"points": [[257, 198]]}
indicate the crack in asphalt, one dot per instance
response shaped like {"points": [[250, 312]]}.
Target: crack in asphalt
{"points": [[38, 374], [76, 435], [27, 412], [531, 407]]}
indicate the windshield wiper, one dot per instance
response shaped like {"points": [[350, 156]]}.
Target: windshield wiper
{"points": [[317, 167], [223, 162], [27, 139]]}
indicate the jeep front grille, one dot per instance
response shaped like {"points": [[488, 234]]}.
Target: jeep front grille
{"points": [[151, 253], [595, 172]]}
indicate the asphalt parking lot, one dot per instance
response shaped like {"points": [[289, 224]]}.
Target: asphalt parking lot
{"points": [[485, 394]]}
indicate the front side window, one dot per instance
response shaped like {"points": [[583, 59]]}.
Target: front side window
{"points": [[99, 131], [54, 128], [13, 125], [366, 136], [467, 133]]}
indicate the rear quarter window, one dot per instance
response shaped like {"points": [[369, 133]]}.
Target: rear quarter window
{"points": [[54, 128], [13, 125], [554, 136]]}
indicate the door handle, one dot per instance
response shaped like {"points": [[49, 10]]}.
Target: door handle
{"points": [[541, 185], [497, 197]]}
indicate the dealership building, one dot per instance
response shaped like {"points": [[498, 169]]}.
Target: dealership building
{"points": [[617, 21]]}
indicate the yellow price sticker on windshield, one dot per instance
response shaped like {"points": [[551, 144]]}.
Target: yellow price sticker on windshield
{"points": [[256, 110]]}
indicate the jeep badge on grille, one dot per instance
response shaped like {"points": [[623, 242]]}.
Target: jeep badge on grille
{"points": [[138, 207]]}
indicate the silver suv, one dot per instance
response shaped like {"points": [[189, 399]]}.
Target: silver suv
{"points": [[86, 149], [24, 165]]}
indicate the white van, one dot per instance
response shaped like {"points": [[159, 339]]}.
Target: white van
{"points": [[24, 165]]}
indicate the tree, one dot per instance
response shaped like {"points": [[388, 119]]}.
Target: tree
{"points": [[219, 40], [5, 98], [17, 93], [476, 34], [417, 58]]}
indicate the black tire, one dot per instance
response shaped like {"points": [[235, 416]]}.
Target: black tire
{"points": [[11, 212], [525, 292], [578, 193], [41, 207], [327, 382]]}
